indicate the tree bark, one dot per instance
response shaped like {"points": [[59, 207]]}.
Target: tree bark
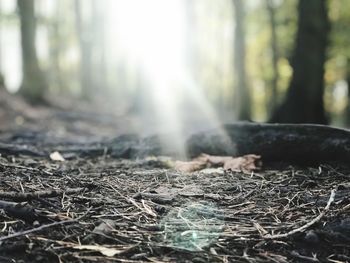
{"points": [[293, 143], [304, 99], [242, 96], [33, 83], [274, 57], [300, 143]]}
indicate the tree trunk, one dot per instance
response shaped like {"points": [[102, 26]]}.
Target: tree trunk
{"points": [[33, 83], [2, 81], [55, 43], [347, 110], [300, 143], [100, 46], [274, 53], [304, 98], [242, 97], [85, 48]]}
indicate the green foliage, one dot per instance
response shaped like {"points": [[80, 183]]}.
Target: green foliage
{"points": [[338, 55], [211, 62], [259, 66]]}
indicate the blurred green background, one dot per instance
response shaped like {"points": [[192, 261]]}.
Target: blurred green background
{"points": [[259, 60]]}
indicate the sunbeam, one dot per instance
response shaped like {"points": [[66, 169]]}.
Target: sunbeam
{"points": [[153, 36]]}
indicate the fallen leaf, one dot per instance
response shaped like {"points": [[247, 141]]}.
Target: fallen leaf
{"points": [[246, 163], [213, 159], [190, 166], [56, 156]]}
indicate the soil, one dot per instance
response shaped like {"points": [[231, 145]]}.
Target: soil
{"points": [[98, 208]]}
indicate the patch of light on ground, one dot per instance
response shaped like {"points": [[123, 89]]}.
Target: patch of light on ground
{"points": [[192, 226]]}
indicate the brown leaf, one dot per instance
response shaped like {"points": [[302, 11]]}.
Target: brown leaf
{"points": [[246, 163], [216, 160], [188, 167]]}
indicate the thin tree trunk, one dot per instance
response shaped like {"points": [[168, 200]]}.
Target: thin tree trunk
{"points": [[98, 19], [85, 48], [2, 81], [304, 99], [33, 83], [347, 111], [242, 96], [55, 43], [274, 52]]}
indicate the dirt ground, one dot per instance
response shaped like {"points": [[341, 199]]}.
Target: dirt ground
{"points": [[102, 209]]}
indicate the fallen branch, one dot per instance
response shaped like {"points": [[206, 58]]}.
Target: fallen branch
{"points": [[16, 149], [307, 225], [22, 233], [157, 198], [33, 230], [24, 168], [297, 255], [38, 194]]}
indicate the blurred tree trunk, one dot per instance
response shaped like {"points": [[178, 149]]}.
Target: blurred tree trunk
{"points": [[97, 21], [2, 81], [347, 112], [274, 55], [137, 105], [55, 44], [85, 48], [33, 83], [242, 101], [304, 99]]}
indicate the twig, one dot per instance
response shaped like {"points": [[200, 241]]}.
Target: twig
{"points": [[307, 225], [157, 198], [133, 202], [24, 168], [22, 233], [297, 255], [15, 149], [38, 194], [33, 230]]}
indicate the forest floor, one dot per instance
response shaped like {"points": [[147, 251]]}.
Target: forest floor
{"points": [[101, 209]]}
